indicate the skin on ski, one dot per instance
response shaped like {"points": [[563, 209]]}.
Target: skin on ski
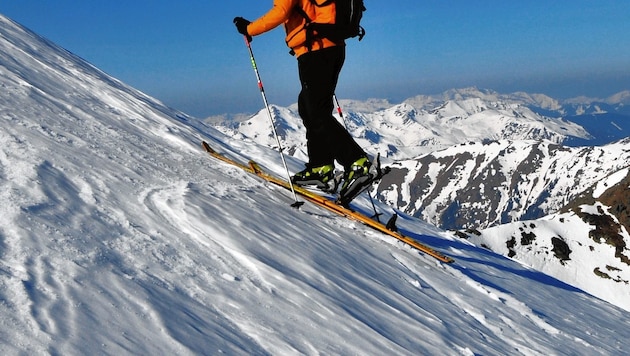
{"points": [[253, 168]]}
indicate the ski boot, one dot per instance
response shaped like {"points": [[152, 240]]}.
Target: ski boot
{"points": [[322, 177]]}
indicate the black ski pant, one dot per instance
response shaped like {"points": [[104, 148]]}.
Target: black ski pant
{"points": [[327, 140]]}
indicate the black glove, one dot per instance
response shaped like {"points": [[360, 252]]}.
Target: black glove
{"points": [[241, 27]]}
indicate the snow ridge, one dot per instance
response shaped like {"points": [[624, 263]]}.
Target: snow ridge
{"points": [[478, 185]]}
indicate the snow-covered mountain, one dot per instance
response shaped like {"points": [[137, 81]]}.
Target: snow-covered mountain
{"points": [[617, 102], [606, 120], [427, 123], [118, 235], [474, 144], [589, 237], [540, 101], [418, 126], [482, 184]]}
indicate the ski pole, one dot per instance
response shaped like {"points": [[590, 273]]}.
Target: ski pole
{"points": [[297, 203], [343, 119]]}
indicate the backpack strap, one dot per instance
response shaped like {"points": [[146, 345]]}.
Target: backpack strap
{"points": [[310, 32], [322, 4], [311, 27]]}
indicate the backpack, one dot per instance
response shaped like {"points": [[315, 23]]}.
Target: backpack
{"points": [[347, 19]]}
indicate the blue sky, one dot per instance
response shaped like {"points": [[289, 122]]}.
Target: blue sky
{"points": [[189, 55]]}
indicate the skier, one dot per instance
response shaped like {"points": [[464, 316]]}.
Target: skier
{"points": [[319, 63]]}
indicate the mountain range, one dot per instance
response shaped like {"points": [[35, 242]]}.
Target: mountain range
{"points": [[483, 164], [119, 235]]}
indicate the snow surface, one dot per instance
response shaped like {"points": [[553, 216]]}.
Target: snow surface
{"points": [[118, 235], [586, 257], [610, 181]]}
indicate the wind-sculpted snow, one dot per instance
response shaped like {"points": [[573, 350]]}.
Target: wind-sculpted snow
{"points": [[118, 235]]}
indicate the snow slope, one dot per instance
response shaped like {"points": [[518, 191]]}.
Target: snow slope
{"points": [[585, 244], [118, 235]]}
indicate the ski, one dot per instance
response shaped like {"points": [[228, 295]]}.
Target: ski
{"points": [[319, 200]]}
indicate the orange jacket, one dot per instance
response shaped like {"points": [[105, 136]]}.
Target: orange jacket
{"points": [[283, 12]]}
